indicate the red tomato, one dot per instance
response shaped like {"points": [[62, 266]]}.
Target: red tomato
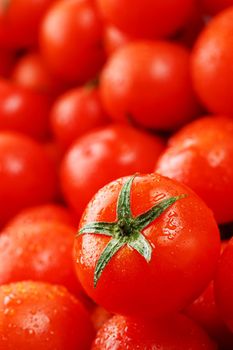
{"points": [[214, 6], [27, 175], [150, 84], [148, 18], [201, 156], [19, 22], [70, 40], [102, 156], [6, 63], [134, 258], [114, 39], [23, 110], [178, 333], [31, 72], [99, 316], [35, 316], [224, 285], [40, 251], [47, 212], [211, 64], [75, 113]]}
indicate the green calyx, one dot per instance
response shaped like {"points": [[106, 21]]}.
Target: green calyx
{"points": [[127, 230]]}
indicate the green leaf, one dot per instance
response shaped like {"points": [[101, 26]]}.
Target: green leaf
{"points": [[123, 204], [111, 249], [142, 246], [145, 219], [102, 228]]}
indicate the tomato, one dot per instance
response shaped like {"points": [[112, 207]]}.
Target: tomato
{"points": [[176, 333], [35, 316], [99, 316], [27, 175], [147, 246], [23, 110], [214, 6], [47, 212], [31, 72], [224, 285], [40, 251], [102, 156], [20, 20], [114, 39], [70, 40], [148, 18], [6, 62], [211, 64], [75, 113], [149, 83], [201, 156]]}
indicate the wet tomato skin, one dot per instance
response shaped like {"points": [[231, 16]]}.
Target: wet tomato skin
{"points": [[37, 316], [185, 238]]}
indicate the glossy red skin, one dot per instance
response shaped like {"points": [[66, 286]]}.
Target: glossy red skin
{"points": [[212, 7], [200, 156], [211, 64], [99, 316], [40, 251], [185, 243], [35, 316], [177, 333], [27, 175], [75, 113], [224, 285], [70, 40], [31, 72], [19, 22], [47, 212], [102, 156], [23, 110], [147, 19], [114, 39], [150, 83], [6, 62]]}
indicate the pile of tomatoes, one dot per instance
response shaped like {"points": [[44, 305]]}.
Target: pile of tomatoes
{"points": [[116, 174]]}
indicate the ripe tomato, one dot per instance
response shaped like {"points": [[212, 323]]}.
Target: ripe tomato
{"points": [[47, 212], [99, 316], [211, 64], [31, 72], [40, 251], [150, 84], [35, 316], [102, 156], [224, 285], [201, 156], [176, 333], [147, 246], [114, 39], [70, 40], [148, 18], [23, 110], [19, 22], [75, 113], [214, 6], [27, 175], [6, 63]]}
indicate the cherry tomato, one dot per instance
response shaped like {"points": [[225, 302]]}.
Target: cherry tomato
{"points": [[27, 175], [40, 251], [35, 316], [149, 83], [176, 333], [20, 20], [211, 64], [70, 40], [147, 246], [201, 156], [6, 63], [99, 316], [224, 285], [31, 72], [114, 39], [75, 113], [102, 156], [148, 18], [23, 110], [214, 6], [47, 212]]}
